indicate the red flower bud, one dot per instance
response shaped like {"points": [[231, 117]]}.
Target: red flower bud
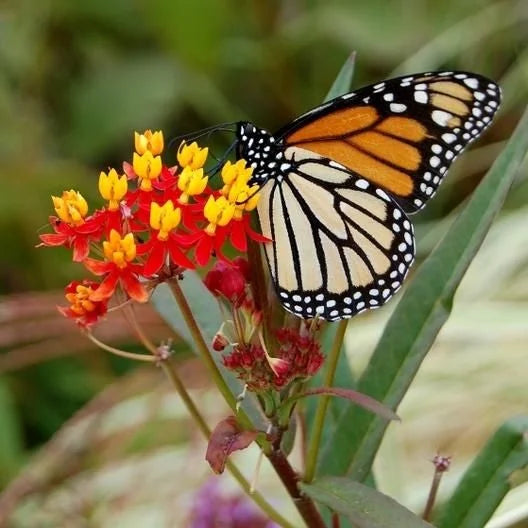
{"points": [[220, 341], [227, 281], [243, 266]]}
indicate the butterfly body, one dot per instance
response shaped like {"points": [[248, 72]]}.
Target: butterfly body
{"points": [[338, 182]]}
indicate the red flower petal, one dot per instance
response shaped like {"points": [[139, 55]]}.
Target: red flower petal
{"points": [[156, 259], [81, 248], [238, 235], [177, 257], [203, 250], [134, 288], [147, 246], [98, 267], [53, 239], [106, 288]]}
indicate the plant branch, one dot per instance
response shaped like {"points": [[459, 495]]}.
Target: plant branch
{"points": [[201, 345], [122, 353], [305, 506], [177, 383], [322, 405]]}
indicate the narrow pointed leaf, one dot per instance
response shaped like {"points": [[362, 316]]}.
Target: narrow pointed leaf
{"points": [[421, 313], [343, 80], [364, 506], [488, 478]]}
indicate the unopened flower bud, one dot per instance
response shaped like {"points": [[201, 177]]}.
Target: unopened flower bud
{"points": [[220, 342], [441, 463], [227, 281]]}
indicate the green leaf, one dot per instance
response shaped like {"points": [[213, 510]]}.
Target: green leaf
{"points": [[421, 313], [343, 80], [487, 480], [207, 314], [364, 506]]}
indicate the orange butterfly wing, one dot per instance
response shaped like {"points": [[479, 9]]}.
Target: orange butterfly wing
{"points": [[401, 134]]}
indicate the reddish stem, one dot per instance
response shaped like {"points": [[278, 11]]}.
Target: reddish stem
{"points": [[290, 478], [305, 506]]}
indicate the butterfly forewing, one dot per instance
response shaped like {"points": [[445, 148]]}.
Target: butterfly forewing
{"points": [[402, 134], [340, 244]]}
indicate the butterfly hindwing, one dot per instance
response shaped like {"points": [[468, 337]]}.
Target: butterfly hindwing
{"points": [[340, 244], [401, 134]]}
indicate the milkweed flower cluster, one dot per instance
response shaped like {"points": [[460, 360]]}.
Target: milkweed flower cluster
{"points": [[297, 356], [158, 221]]}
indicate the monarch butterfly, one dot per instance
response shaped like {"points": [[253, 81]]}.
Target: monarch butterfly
{"points": [[338, 182]]}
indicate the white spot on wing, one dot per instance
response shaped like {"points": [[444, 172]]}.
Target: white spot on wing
{"points": [[420, 96], [440, 117], [398, 107], [471, 82]]}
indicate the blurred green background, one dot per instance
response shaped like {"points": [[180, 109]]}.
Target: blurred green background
{"points": [[76, 79]]}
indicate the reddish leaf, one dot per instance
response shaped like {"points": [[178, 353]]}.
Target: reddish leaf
{"points": [[368, 403], [226, 438]]}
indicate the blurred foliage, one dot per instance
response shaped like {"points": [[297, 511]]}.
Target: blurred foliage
{"points": [[76, 78]]}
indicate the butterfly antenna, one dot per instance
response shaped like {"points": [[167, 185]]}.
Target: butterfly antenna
{"points": [[223, 159], [193, 136]]}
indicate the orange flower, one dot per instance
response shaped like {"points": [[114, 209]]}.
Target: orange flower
{"points": [[118, 268], [84, 311]]}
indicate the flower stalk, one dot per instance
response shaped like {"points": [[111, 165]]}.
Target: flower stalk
{"points": [[322, 404]]}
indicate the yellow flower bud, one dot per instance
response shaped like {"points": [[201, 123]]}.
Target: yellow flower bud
{"points": [[254, 198], [191, 182], [113, 188], [119, 250], [71, 207], [147, 167], [218, 212], [164, 218], [238, 171], [192, 155], [149, 141]]}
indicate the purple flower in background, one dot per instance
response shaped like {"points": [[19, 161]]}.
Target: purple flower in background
{"points": [[212, 509]]}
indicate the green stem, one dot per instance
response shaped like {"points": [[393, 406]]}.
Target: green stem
{"points": [[173, 377], [201, 345], [322, 405], [122, 353]]}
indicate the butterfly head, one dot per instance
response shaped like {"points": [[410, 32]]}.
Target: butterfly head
{"points": [[260, 149]]}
